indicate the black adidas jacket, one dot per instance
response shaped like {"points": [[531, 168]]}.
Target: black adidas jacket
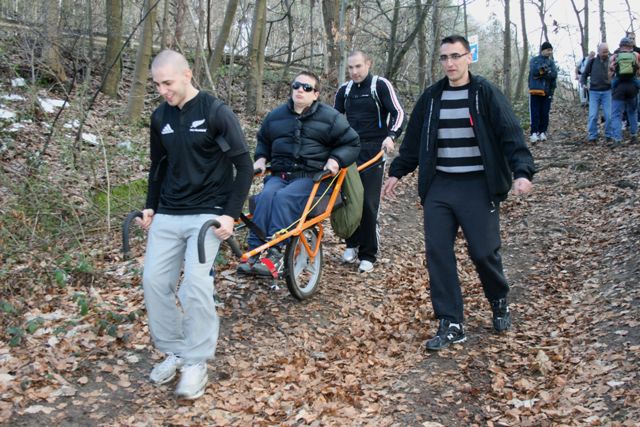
{"points": [[193, 153]]}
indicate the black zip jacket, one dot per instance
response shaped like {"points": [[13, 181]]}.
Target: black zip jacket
{"points": [[598, 70], [499, 135], [294, 142]]}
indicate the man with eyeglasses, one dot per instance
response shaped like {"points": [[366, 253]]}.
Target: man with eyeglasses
{"points": [[299, 139], [469, 146], [374, 111]]}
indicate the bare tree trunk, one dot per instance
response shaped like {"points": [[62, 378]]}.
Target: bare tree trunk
{"points": [[311, 36], [330, 15], [223, 35], [631, 17], [165, 24], [391, 43], [112, 59], [435, 25], [525, 53], [287, 65], [506, 59], [466, 27], [541, 13], [201, 70], [199, 24], [422, 53], [253, 87], [180, 13], [583, 26], [603, 27], [143, 57], [342, 43], [51, 41], [91, 41], [408, 43]]}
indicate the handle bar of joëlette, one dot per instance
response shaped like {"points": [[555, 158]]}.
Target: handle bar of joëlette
{"points": [[125, 231], [231, 241], [126, 225]]}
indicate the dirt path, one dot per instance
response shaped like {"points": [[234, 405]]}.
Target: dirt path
{"points": [[352, 355]]}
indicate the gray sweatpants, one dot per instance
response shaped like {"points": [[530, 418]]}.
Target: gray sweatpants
{"points": [[190, 329]]}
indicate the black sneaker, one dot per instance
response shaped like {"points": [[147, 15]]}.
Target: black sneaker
{"points": [[447, 333], [247, 267], [271, 265], [501, 315]]}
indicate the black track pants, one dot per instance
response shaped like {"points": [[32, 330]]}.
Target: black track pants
{"points": [[461, 201], [366, 237]]}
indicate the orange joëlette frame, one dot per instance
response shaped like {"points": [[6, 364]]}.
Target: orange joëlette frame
{"points": [[303, 223]]}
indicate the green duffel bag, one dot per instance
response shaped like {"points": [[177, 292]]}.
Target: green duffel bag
{"points": [[345, 219]]}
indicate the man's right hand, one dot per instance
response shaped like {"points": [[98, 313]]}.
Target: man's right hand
{"points": [[260, 164], [389, 188], [147, 218]]}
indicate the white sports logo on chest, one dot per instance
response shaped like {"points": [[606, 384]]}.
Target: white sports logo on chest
{"points": [[195, 126]]}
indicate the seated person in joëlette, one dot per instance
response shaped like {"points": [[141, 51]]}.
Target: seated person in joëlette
{"points": [[299, 139]]}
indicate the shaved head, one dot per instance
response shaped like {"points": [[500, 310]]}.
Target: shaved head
{"points": [[172, 76], [172, 58]]}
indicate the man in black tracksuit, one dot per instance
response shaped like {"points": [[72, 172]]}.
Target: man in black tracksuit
{"points": [[374, 111], [468, 144]]}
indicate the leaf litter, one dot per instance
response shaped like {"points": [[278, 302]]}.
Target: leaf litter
{"points": [[353, 354]]}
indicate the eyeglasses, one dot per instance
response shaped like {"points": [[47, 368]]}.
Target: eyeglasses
{"points": [[454, 57], [305, 86]]}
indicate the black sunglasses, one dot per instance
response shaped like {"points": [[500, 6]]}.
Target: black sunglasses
{"points": [[305, 86]]}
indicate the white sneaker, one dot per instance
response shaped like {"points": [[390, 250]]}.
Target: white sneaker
{"points": [[534, 137], [193, 380], [164, 371], [365, 266], [350, 255], [542, 136]]}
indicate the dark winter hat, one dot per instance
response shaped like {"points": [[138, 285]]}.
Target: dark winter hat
{"points": [[626, 41], [545, 45]]}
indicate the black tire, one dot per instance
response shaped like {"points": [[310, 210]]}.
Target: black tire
{"points": [[303, 277]]}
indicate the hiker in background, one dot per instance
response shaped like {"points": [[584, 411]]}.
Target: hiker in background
{"points": [[196, 143], [624, 69], [299, 139], [596, 77], [542, 83], [583, 89], [469, 145], [374, 111], [632, 36]]}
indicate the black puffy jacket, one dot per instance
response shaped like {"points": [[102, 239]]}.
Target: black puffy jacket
{"points": [[294, 142]]}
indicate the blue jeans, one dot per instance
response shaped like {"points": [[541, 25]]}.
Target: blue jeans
{"points": [[616, 80], [597, 99], [279, 204], [618, 108]]}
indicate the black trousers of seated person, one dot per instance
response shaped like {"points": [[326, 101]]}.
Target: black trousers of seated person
{"points": [[461, 201], [366, 236]]}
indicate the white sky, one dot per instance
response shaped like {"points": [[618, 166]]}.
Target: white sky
{"points": [[566, 42]]}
